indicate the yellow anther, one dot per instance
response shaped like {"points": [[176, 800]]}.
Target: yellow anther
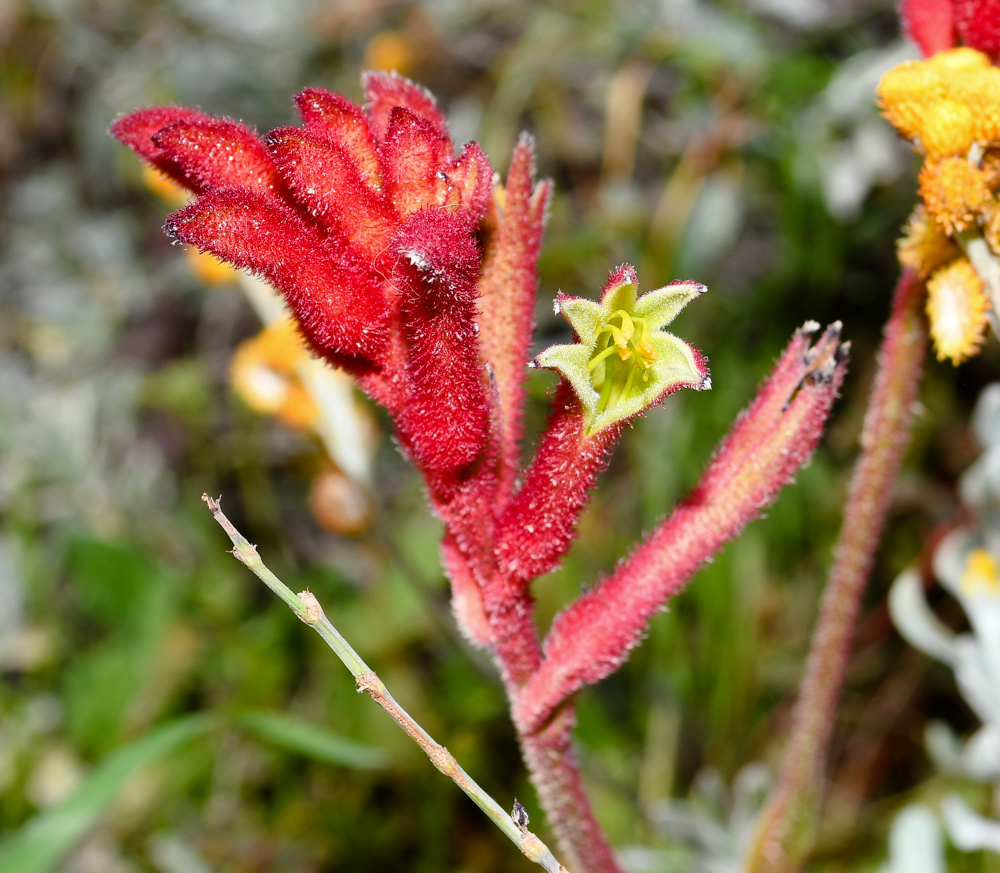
{"points": [[947, 102], [647, 351]]}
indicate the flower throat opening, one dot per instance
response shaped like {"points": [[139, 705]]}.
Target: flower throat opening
{"points": [[611, 374]]}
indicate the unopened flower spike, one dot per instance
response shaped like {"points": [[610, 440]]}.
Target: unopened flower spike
{"points": [[623, 361]]}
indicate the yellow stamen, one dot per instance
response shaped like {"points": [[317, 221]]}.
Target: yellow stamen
{"points": [[633, 342]]}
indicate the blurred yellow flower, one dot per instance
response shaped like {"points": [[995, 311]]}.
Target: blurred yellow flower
{"points": [[957, 307], [264, 374], [924, 246], [208, 269], [390, 50], [163, 187], [946, 103]]}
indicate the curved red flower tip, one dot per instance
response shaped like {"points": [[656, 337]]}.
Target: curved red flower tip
{"points": [[217, 153], [445, 421], [342, 311], [322, 176], [337, 119], [978, 24], [468, 183], [388, 91], [929, 23], [136, 130]]}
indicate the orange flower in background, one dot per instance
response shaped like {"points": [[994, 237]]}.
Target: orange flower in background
{"points": [[264, 374], [949, 106], [954, 192], [945, 102], [924, 246], [390, 50]]}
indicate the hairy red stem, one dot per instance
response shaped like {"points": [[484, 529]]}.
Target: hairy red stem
{"points": [[787, 824], [556, 777]]}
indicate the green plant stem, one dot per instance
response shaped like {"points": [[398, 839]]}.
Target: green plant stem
{"points": [[307, 608], [787, 825]]}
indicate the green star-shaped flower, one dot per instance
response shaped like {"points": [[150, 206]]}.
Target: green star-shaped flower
{"points": [[624, 361]]}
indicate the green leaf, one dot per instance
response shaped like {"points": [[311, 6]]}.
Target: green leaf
{"points": [[307, 739], [43, 841]]}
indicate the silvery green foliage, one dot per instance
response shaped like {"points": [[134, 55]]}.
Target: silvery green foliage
{"points": [[714, 827], [965, 563]]}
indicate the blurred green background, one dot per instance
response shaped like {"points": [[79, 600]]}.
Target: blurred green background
{"points": [[159, 709]]}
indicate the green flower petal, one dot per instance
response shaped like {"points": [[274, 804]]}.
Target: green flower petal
{"points": [[624, 362], [584, 316], [660, 307]]}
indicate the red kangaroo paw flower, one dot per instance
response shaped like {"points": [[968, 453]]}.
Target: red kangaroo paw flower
{"points": [[334, 117], [341, 310], [978, 24], [446, 419], [386, 91], [592, 637], [322, 177], [929, 23], [327, 214], [218, 153], [136, 131], [507, 291]]}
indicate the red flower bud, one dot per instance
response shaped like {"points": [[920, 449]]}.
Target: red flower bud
{"points": [[507, 298]]}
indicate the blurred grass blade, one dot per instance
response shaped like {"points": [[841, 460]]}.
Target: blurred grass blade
{"points": [[300, 736], [42, 842]]}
